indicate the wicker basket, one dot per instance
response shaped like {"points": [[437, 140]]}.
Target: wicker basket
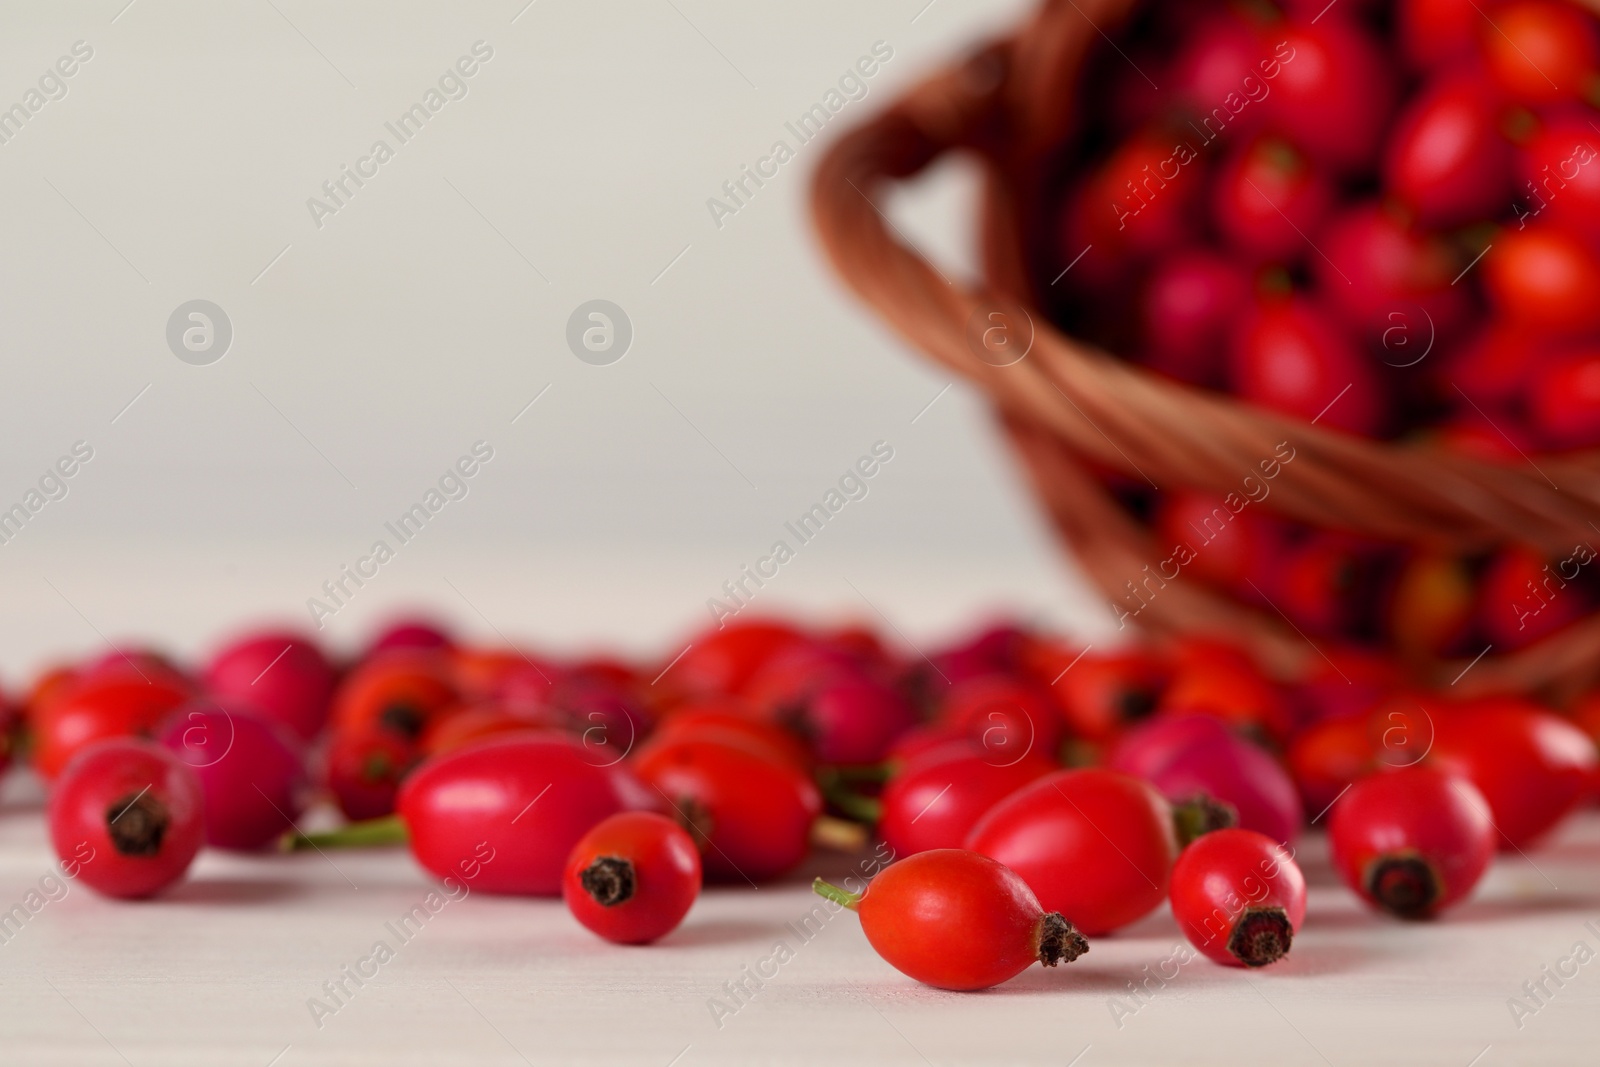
{"points": [[1070, 409]]}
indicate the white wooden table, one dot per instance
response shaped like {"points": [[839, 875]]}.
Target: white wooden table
{"points": [[220, 971]]}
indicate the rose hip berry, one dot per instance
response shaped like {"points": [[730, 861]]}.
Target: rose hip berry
{"points": [[280, 676], [1095, 845], [957, 920], [935, 801], [251, 771], [529, 797], [1239, 896], [129, 815], [632, 878], [1412, 841]]}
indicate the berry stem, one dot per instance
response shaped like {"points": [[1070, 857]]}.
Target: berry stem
{"points": [[847, 800], [835, 894], [385, 830], [1059, 940], [1201, 814], [840, 835]]}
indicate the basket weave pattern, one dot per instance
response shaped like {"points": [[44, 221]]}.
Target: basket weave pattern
{"points": [[1069, 409]]}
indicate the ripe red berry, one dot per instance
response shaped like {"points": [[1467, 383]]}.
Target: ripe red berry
{"points": [[1532, 766], [118, 704], [632, 878], [1447, 159], [279, 676], [1436, 32], [1335, 92], [1392, 280], [528, 798], [935, 801], [752, 814], [1267, 199], [1563, 397], [957, 920], [397, 692], [1411, 841], [1095, 845], [250, 769], [128, 816], [1239, 897], [1543, 278], [1009, 716], [1190, 299], [1291, 356], [1102, 694], [1541, 51], [1558, 172]]}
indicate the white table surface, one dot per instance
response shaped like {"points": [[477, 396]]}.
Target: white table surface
{"points": [[219, 971]]}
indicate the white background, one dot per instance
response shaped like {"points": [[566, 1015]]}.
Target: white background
{"points": [[374, 351]]}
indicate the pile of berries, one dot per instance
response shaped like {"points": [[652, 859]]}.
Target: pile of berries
{"points": [[1380, 217], [1027, 793]]}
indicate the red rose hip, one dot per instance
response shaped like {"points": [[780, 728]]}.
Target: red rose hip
{"points": [[128, 816], [1239, 896], [1095, 845], [1411, 841], [957, 920], [632, 878]]}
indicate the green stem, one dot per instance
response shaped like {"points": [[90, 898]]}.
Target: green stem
{"points": [[386, 830], [835, 894]]}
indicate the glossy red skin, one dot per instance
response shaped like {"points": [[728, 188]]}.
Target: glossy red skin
{"points": [[930, 739], [1417, 809], [459, 728], [146, 664], [843, 714], [1564, 397], [364, 771], [1225, 872], [604, 715], [1214, 678], [1191, 298], [1096, 845], [1540, 52], [398, 692], [1215, 58], [760, 810], [1434, 33], [251, 771], [722, 661], [936, 801], [494, 791], [1103, 694], [120, 705], [855, 720], [1543, 278], [1293, 357], [279, 676], [1513, 614], [726, 721], [1334, 98], [1008, 716], [1393, 280], [1228, 547], [418, 633], [952, 919], [489, 673], [1558, 168], [1240, 774], [1446, 158], [1326, 757], [96, 787], [666, 872], [1126, 223], [1267, 200], [1532, 766], [1491, 366]]}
